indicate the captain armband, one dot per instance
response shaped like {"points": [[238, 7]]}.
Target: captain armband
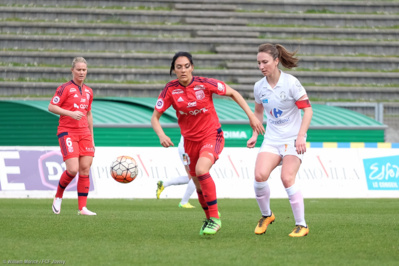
{"points": [[303, 104]]}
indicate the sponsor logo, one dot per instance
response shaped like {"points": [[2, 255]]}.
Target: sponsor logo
{"points": [[159, 104], [221, 87], [182, 113], [200, 95], [265, 100], [192, 104], [177, 91], [382, 173], [235, 135], [76, 96], [279, 122], [75, 105], [44, 169], [207, 146], [88, 96], [276, 112], [180, 100], [199, 87], [84, 106], [56, 99], [198, 111]]}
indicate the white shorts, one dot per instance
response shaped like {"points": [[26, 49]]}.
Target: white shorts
{"points": [[280, 149]]}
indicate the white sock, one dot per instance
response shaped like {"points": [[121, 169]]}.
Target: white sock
{"points": [[262, 193], [180, 180], [189, 191], [297, 204]]}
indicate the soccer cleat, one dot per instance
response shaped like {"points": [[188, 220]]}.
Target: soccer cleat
{"points": [[186, 206], [263, 223], [57, 205], [203, 227], [299, 231], [85, 211], [214, 225], [160, 188]]}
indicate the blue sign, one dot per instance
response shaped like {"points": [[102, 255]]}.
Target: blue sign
{"points": [[382, 173]]}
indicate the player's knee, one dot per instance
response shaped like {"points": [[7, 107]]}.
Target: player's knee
{"points": [[260, 177], [72, 171]]}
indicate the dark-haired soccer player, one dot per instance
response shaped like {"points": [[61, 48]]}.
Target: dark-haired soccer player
{"points": [[281, 97], [191, 97], [72, 101]]}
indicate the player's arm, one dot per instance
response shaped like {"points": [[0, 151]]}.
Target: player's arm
{"points": [[304, 104], [156, 125], [259, 115], [255, 123], [77, 115], [89, 116]]}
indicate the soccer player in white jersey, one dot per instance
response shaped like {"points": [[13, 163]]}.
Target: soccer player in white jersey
{"points": [[281, 97], [180, 180]]}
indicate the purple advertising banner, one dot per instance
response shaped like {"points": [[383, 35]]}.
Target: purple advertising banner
{"points": [[33, 170]]}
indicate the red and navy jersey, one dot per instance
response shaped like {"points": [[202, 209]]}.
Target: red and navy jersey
{"points": [[195, 111], [70, 96]]}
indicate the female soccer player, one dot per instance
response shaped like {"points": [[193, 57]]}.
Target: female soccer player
{"points": [[281, 97], [72, 101], [191, 97]]}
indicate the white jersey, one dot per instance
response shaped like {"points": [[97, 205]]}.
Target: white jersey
{"points": [[283, 116]]}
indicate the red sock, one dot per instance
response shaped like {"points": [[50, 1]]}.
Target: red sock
{"points": [[203, 204], [65, 179], [209, 191], [83, 190]]}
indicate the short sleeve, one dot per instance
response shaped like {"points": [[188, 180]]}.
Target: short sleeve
{"points": [[164, 100], [297, 89], [216, 86], [58, 97]]}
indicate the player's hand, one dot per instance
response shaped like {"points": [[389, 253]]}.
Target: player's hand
{"points": [[300, 145], [257, 126], [77, 115], [165, 141], [252, 141]]}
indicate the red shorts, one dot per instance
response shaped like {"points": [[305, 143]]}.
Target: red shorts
{"points": [[210, 147], [75, 145]]}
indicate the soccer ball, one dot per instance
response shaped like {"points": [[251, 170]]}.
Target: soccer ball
{"points": [[124, 169]]}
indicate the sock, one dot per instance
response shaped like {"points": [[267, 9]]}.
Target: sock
{"points": [[262, 193], [297, 204], [180, 180], [65, 179], [189, 191], [209, 191], [83, 190], [203, 204]]}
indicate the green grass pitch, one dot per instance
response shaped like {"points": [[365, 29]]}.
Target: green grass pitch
{"points": [[157, 232]]}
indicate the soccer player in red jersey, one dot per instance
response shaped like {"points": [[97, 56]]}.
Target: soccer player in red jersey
{"points": [[191, 97], [72, 102]]}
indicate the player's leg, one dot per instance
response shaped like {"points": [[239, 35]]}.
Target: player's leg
{"points": [[266, 161], [291, 164], [176, 181], [85, 161], [84, 184], [70, 153], [187, 194], [209, 153]]}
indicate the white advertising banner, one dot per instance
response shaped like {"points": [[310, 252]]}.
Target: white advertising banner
{"points": [[325, 173]]}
